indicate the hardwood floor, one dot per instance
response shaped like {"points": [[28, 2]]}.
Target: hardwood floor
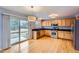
{"points": [[43, 45]]}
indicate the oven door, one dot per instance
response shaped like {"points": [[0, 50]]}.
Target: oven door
{"points": [[54, 34]]}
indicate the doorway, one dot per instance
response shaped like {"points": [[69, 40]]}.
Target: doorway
{"points": [[19, 30]]}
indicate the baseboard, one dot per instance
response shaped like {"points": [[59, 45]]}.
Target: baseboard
{"points": [[5, 49]]}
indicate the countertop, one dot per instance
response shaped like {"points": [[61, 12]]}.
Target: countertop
{"points": [[51, 28]]}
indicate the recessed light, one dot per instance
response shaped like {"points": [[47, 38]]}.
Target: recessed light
{"points": [[33, 8]]}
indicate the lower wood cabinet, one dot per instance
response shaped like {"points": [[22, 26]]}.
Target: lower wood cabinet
{"points": [[65, 35], [68, 35], [60, 34], [47, 33], [42, 33], [38, 34]]}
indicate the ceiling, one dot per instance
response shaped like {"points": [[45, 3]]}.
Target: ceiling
{"points": [[44, 11]]}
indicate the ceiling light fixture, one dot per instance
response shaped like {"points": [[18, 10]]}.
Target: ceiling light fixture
{"points": [[53, 15]]}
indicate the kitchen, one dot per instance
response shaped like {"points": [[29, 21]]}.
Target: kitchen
{"points": [[49, 30], [56, 28]]}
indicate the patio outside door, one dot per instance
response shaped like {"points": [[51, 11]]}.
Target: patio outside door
{"points": [[18, 30]]}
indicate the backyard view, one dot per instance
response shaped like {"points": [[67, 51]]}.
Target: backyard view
{"points": [[18, 29]]}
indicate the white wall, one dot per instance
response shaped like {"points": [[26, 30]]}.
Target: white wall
{"points": [[0, 32]]}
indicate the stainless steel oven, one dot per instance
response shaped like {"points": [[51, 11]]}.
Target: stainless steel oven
{"points": [[54, 31], [54, 34]]}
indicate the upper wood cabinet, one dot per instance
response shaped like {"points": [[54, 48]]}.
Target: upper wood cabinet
{"points": [[66, 22], [59, 22], [73, 22], [69, 21], [46, 23], [63, 23], [54, 21]]}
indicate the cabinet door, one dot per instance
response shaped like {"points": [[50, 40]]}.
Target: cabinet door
{"points": [[68, 22], [46, 23], [59, 22], [68, 35], [41, 33], [63, 23], [54, 21], [38, 34], [73, 22], [47, 32], [50, 23], [60, 34]]}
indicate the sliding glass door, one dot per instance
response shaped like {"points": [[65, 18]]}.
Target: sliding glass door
{"points": [[23, 30], [18, 30], [14, 30]]}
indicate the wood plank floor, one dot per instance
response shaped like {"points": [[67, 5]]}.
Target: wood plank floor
{"points": [[43, 45]]}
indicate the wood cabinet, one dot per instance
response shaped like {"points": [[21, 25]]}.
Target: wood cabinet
{"points": [[54, 21], [38, 34], [68, 35], [66, 22], [42, 32], [63, 22], [73, 22], [60, 34], [59, 22], [47, 33], [65, 35], [34, 35], [46, 23]]}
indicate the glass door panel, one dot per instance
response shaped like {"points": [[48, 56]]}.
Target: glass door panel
{"points": [[23, 30], [14, 30], [19, 30]]}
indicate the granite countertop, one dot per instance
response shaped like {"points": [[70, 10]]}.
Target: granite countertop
{"points": [[50, 28]]}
